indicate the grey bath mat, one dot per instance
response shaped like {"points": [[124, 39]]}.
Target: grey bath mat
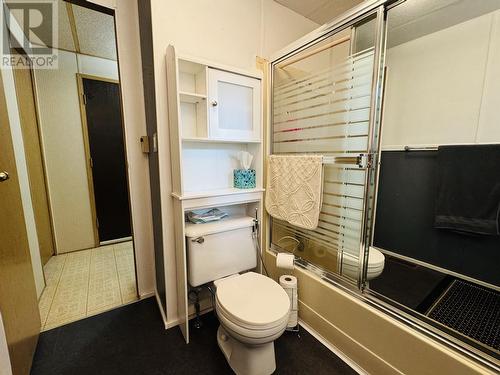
{"points": [[471, 310]]}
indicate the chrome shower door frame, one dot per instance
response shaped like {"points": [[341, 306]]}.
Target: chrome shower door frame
{"points": [[362, 12]]}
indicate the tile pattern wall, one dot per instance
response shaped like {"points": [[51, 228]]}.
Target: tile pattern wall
{"points": [[87, 282]]}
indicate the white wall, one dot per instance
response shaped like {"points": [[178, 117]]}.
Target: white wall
{"points": [[134, 122], [489, 123], [63, 147], [444, 88], [230, 32]]}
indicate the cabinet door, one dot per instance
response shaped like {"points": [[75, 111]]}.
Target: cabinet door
{"points": [[234, 107]]}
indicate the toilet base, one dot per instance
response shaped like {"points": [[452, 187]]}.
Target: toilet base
{"points": [[247, 359]]}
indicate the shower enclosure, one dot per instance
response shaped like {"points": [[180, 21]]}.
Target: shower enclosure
{"points": [[378, 91], [322, 103]]}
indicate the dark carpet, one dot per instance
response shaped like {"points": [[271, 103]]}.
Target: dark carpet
{"points": [[132, 340]]}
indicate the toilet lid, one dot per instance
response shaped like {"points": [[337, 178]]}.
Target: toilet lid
{"points": [[253, 299], [375, 259]]}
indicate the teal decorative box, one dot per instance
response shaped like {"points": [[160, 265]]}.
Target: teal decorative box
{"points": [[244, 178]]}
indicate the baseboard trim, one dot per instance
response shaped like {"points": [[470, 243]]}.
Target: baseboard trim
{"points": [[175, 322], [162, 312], [172, 323], [118, 240], [333, 348], [146, 295]]}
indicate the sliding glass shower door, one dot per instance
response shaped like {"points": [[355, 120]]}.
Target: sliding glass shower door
{"points": [[322, 99]]}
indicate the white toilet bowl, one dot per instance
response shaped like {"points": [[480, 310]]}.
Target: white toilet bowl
{"points": [[376, 262], [253, 311]]}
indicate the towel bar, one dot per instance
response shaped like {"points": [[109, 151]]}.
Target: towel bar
{"points": [[361, 160], [422, 148]]}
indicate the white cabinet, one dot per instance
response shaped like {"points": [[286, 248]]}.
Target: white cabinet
{"points": [[205, 141], [234, 106]]}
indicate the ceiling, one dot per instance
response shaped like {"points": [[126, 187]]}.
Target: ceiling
{"points": [[319, 11], [410, 20], [84, 31], [414, 19]]}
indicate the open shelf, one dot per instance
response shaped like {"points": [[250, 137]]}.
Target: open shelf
{"points": [[189, 97], [215, 193], [211, 140]]}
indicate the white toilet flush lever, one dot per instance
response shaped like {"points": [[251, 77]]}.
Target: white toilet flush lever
{"points": [[198, 240]]}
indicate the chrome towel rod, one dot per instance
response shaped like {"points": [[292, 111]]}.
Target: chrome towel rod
{"points": [[360, 160], [423, 148], [341, 159]]}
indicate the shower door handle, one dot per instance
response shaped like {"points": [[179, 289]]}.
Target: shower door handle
{"points": [[4, 176]]}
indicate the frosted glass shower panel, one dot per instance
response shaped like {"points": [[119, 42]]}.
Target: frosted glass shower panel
{"points": [[321, 105]]}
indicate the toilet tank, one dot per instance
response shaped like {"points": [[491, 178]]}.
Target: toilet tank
{"points": [[219, 249]]}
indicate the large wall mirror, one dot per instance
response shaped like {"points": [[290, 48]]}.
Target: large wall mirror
{"points": [[75, 150], [438, 203]]}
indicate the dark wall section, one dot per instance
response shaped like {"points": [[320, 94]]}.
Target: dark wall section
{"points": [[405, 216], [148, 78]]}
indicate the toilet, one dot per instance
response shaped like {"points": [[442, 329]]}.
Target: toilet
{"points": [[253, 309], [376, 261]]}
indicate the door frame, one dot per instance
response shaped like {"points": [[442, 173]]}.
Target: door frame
{"points": [[42, 154], [86, 145]]}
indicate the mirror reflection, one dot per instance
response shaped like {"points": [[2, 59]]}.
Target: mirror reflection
{"points": [[74, 146], [438, 204]]}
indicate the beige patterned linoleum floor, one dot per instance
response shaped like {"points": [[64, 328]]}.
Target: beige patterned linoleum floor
{"points": [[87, 282]]}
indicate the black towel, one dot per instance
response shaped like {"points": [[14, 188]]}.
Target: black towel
{"points": [[468, 198]]}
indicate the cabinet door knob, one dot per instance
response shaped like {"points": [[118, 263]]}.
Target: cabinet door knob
{"points": [[4, 176], [214, 103]]}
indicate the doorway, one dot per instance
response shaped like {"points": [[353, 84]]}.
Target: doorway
{"points": [[106, 165]]}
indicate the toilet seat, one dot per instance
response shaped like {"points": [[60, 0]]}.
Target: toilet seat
{"points": [[252, 307], [236, 321], [249, 335]]}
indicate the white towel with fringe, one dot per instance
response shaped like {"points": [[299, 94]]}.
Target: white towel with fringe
{"points": [[294, 189]]}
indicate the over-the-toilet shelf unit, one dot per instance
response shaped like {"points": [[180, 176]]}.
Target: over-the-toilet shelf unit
{"points": [[215, 111]]}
